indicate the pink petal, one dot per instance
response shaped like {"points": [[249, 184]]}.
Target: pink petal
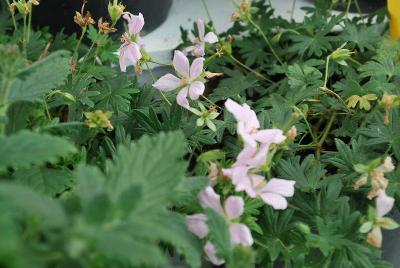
{"points": [[196, 89], [241, 178], [197, 224], [243, 113], [167, 83], [252, 156], [234, 207], [198, 50], [188, 50], [270, 136], [248, 139], [275, 200], [210, 199], [129, 54], [240, 234], [281, 187], [197, 68], [384, 203], [211, 38], [135, 23], [211, 253], [181, 64], [201, 29], [181, 98]]}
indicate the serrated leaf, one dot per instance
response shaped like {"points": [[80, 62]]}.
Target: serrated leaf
{"points": [[26, 148]]}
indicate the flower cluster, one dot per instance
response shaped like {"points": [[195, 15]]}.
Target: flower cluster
{"points": [[383, 202], [253, 158], [233, 208], [129, 53]]}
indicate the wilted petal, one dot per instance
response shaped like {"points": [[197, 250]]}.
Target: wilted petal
{"points": [[270, 136], [211, 253], [196, 89], [374, 238], [167, 83], [129, 54], [211, 38], [197, 224], [181, 98], [281, 187], [197, 68], [275, 200], [201, 29], [135, 23], [210, 199], [181, 64], [240, 234], [234, 207], [384, 203]]}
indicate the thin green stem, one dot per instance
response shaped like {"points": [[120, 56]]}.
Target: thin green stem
{"points": [[266, 40], [46, 107], [159, 63], [348, 8], [325, 135], [28, 35], [292, 11], [207, 9], [154, 80], [12, 15], [326, 71], [74, 55], [238, 62], [314, 138], [211, 102], [24, 36]]}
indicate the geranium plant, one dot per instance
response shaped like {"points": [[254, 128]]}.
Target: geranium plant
{"points": [[275, 143]]}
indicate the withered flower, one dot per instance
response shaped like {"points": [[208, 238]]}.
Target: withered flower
{"points": [[83, 21], [105, 27]]}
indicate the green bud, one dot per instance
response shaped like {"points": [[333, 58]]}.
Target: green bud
{"points": [[341, 54], [366, 227], [115, 11]]}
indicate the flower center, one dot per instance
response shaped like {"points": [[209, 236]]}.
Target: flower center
{"points": [[184, 82]]}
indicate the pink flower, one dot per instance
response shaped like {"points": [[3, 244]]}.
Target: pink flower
{"points": [[129, 52], [197, 224], [384, 203], [189, 79], [249, 126], [198, 48], [275, 191], [233, 209], [211, 253]]}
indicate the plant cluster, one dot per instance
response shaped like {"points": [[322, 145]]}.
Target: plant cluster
{"points": [[272, 144]]}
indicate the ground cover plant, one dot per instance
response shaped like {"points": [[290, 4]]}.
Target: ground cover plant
{"points": [[273, 144]]}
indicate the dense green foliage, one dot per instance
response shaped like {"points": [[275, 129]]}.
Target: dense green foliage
{"points": [[97, 170]]}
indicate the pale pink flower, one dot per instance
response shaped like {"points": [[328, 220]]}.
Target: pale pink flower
{"points": [[384, 203], [233, 209], [198, 49], [211, 253], [129, 52], [189, 79], [248, 126]]}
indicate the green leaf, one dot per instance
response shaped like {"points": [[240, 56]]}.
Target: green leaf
{"points": [[47, 181], [26, 148], [219, 233], [40, 78]]}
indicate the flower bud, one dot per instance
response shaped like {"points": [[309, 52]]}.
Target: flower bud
{"points": [[341, 54], [361, 182], [292, 133], [115, 11]]}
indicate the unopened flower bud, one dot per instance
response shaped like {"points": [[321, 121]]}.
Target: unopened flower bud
{"points": [[115, 11], [341, 54], [361, 182], [229, 38], [292, 133], [210, 75]]}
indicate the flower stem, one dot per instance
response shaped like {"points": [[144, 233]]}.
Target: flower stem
{"points": [[250, 69], [79, 43], [159, 63], [12, 15], [325, 135], [28, 35], [257, 27], [154, 80], [211, 102], [292, 11], [207, 9]]}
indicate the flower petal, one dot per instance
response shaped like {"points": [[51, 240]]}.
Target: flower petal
{"points": [[198, 50], [196, 89], [188, 50], [197, 68], [210, 199], [240, 234], [129, 54], [211, 38], [274, 200], [211, 253], [234, 207], [181, 98], [243, 113], [270, 136], [201, 29], [248, 139], [181, 64], [384, 203], [197, 224], [281, 187], [167, 83], [374, 238], [135, 23]]}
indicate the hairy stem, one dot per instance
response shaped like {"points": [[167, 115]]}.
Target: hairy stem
{"points": [[257, 27]]}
